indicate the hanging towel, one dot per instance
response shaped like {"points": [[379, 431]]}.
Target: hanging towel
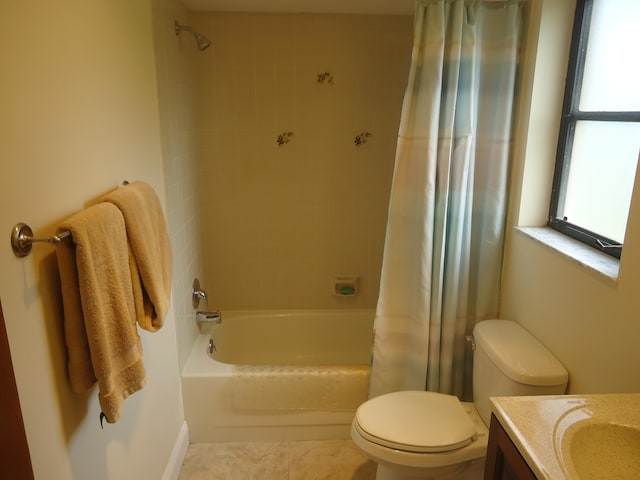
{"points": [[149, 240], [99, 313]]}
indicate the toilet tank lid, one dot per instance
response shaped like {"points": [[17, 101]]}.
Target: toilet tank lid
{"points": [[518, 354]]}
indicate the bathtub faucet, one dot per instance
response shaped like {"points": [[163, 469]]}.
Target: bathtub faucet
{"points": [[208, 318]]}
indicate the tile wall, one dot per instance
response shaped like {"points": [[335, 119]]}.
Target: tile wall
{"points": [[176, 61], [296, 123]]}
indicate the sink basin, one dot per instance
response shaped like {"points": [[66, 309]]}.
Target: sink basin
{"points": [[597, 450], [575, 437]]}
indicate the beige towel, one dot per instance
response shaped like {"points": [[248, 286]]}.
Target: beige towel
{"points": [[99, 313], [149, 240]]}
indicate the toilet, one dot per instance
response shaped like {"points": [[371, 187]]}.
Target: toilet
{"points": [[422, 435]]}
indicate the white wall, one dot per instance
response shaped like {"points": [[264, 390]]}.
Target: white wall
{"points": [[79, 115], [589, 322]]}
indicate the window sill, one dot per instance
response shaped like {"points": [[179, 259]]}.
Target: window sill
{"points": [[588, 257]]}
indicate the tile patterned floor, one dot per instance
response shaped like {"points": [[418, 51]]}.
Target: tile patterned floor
{"points": [[310, 460]]}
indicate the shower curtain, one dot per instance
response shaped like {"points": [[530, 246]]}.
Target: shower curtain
{"points": [[443, 248]]}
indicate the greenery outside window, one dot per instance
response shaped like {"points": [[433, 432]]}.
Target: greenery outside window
{"points": [[599, 141]]}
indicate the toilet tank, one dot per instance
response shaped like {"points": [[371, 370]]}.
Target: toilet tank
{"points": [[508, 360]]}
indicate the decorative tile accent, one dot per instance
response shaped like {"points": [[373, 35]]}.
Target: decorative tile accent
{"points": [[284, 138], [325, 77], [361, 138]]}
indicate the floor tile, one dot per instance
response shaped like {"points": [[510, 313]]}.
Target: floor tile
{"points": [[310, 460], [328, 460], [241, 461]]}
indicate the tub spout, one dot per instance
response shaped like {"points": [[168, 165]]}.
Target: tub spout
{"points": [[205, 318]]}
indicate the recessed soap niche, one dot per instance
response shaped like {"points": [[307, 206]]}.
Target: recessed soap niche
{"points": [[345, 286]]}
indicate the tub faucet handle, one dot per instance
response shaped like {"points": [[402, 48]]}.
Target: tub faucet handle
{"points": [[201, 294], [198, 294]]}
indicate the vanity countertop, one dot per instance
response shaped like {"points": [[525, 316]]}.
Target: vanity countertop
{"points": [[542, 428]]}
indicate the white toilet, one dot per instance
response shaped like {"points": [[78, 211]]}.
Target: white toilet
{"points": [[427, 435]]}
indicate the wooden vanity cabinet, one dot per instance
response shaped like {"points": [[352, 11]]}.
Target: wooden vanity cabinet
{"points": [[504, 461]]}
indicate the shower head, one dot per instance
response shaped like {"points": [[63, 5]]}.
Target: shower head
{"points": [[202, 41]]}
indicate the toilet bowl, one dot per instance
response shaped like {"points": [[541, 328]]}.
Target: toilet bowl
{"points": [[423, 435]]}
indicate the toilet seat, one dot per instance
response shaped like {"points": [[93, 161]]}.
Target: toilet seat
{"points": [[415, 421]]}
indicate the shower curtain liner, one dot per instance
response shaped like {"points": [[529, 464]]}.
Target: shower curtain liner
{"points": [[443, 248]]}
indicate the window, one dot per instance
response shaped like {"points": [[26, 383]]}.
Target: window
{"points": [[599, 142]]}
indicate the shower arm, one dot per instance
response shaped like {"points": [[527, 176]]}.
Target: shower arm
{"points": [[201, 40], [179, 28]]}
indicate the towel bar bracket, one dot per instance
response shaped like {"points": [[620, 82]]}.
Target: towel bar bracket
{"points": [[22, 239]]}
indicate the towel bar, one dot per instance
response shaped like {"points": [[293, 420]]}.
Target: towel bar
{"points": [[22, 238]]}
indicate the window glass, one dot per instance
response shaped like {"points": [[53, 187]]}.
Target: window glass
{"points": [[612, 67], [603, 166], [599, 141]]}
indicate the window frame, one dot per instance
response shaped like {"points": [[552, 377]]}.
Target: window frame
{"points": [[571, 114]]}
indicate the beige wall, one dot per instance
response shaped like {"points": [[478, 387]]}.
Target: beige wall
{"points": [[79, 115], [590, 323], [281, 221]]}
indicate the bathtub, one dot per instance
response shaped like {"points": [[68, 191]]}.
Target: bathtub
{"points": [[275, 376]]}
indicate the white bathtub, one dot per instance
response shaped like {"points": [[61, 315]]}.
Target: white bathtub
{"points": [[286, 375]]}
